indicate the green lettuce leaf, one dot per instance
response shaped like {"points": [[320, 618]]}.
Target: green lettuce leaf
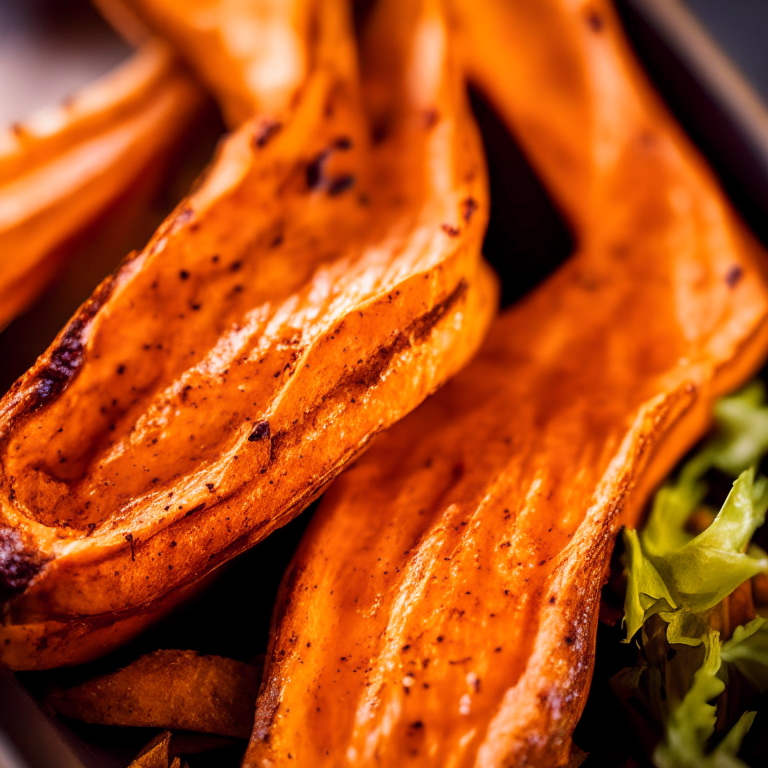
{"points": [[741, 439], [711, 565], [647, 592], [726, 751], [675, 581], [747, 651], [671, 572], [681, 576], [691, 722], [658, 682]]}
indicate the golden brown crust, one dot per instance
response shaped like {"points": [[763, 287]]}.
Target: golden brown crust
{"points": [[177, 690], [442, 607]]}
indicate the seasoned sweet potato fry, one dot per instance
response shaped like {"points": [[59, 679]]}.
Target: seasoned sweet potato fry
{"points": [[179, 690], [252, 55], [65, 166], [442, 607], [310, 292]]}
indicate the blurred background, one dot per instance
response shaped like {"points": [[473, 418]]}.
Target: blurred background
{"points": [[48, 48], [740, 28]]}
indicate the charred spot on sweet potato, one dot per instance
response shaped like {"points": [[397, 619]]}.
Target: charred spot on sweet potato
{"points": [[734, 275], [67, 356], [132, 542], [314, 172], [18, 565], [340, 184], [468, 208], [342, 143], [594, 20], [450, 230], [260, 432], [265, 132], [424, 325]]}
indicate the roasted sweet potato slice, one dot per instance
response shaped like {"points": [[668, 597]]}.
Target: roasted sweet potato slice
{"points": [[252, 55], [64, 167], [166, 749], [156, 754], [308, 294], [442, 607], [178, 690]]}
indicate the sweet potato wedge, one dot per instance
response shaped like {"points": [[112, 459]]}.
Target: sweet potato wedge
{"points": [[442, 607], [310, 292], [156, 754], [251, 55], [178, 690], [64, 167], [166, 749]]}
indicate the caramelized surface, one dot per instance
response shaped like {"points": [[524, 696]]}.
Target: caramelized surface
{"points": [[442, 607], [68, 164], [309, 293]]}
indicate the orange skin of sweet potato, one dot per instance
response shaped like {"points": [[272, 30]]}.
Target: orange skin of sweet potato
{"points": [[442, 607], [252, 55], [178, 690], [68, 164], [310, 292]]}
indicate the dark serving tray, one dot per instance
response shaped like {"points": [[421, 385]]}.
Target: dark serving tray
{"points": [[526, 241]]}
